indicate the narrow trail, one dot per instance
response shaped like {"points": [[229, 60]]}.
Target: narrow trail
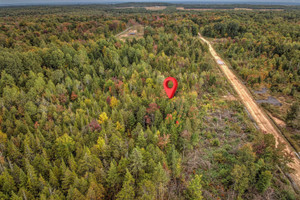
{"points": [[256, 112], [117, 35]]}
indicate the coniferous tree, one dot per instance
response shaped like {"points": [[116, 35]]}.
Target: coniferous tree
{"points": [[127, 192]]}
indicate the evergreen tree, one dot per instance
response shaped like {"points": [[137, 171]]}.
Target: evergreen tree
{"points": [[264, 181], [195, 187], [137, 162], [127, 192], [112, 176]]}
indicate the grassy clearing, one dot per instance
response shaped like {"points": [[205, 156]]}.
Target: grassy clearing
{"points": [[136, 31]]}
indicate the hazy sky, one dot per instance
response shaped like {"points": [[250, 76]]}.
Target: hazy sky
{"points": [[24, 2]]}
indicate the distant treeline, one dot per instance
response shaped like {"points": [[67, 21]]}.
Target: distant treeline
{"points": [[232, 6], [138, 7]]}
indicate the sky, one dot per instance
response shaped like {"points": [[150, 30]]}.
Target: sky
{"points": [[31, 2]]}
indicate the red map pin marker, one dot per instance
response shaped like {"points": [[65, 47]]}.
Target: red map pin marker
{"points": [[170, 91]]}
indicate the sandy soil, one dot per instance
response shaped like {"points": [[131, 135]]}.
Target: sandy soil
{"points": [[199, 9], [156, 8], [256, 112], [147, 8], [277, 121], [229, 97]]}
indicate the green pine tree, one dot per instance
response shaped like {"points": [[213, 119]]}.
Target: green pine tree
{"points": [[127, 192]]}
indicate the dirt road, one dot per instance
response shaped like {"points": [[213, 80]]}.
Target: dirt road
{"points": [[256, 112]]}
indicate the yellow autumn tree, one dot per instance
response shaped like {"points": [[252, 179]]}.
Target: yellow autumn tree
{"points": [[102, 118], [88, 102], [144, 95], [3, 137], [113, 102], [100, 143], [119, 127]]}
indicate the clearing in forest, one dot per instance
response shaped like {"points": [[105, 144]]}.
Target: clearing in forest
{"points": [[256, 112], [156, 8], [135, 31]]}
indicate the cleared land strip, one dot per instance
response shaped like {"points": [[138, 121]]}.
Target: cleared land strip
{"points": [[136, 31], [123, 32], [256, 112]]}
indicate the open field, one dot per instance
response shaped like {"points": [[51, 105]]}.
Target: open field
{"points": [[197, 9], [156, 8], [153, 8]]}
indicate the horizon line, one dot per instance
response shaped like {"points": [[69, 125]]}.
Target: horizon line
{"points": [[194, 2]]}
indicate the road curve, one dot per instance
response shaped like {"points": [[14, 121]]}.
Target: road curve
{"points": [[256, 112]]}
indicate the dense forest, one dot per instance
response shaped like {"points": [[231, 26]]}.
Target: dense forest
{"points": [[84, 114]]}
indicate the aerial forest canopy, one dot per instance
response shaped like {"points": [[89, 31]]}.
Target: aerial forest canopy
{"points": [[84, 114]]}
